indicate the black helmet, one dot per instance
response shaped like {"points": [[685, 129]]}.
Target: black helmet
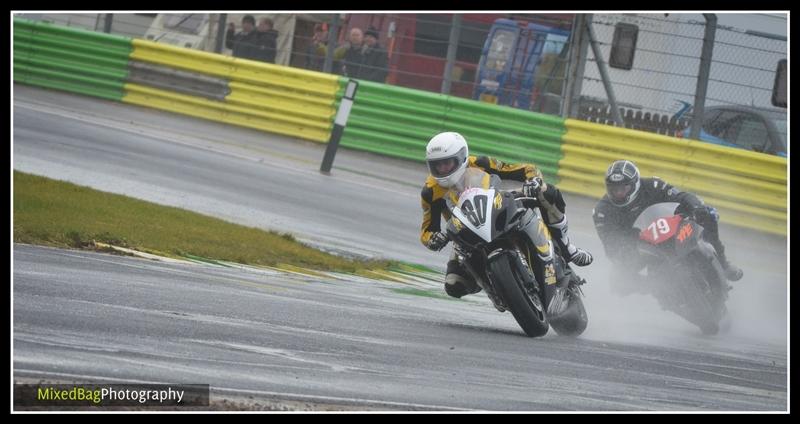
{"points": [[622, 182]]}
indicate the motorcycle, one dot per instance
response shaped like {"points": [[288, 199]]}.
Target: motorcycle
{"points": [[502, 241], [683, 270]]}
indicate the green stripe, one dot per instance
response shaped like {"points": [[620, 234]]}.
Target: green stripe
{"points": [[398, 122], [72, 48], [70, 59], [26, 49], [74, 69], [38, 28], [105, 93]]}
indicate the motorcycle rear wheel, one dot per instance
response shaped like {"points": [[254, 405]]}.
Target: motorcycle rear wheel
{"points": [[574, 320]]}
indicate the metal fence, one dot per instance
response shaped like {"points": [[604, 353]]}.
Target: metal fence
{"points": [[416, 44], [663, 75], [653, 61], [661, 70]]}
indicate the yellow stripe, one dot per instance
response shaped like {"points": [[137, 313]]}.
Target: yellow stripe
{"points": [[749, 189], [217, 111], [299, 270], [692, 154], [281, 102], [243, 70], [264, 96]]}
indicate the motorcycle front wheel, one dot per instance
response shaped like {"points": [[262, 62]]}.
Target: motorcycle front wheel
{"points": [[506, 272]]}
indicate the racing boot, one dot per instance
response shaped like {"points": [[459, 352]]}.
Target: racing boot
{"points": [[711, 235], [732, 272], [576, 255], [458, 282]]}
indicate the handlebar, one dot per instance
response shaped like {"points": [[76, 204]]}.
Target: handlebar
{"points": [[518, 195]]}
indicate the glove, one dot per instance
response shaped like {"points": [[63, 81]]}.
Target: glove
{"points": [[701, 214], [438, 241], [531, 188], [713, 213]]}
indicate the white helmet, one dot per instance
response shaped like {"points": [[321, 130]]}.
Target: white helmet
{"points": [[446, 156]]}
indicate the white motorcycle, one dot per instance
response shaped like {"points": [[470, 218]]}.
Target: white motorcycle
{"points": [[502, 241]]}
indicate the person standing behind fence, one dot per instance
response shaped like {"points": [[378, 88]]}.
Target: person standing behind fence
{"points": [[266, 41], [316, 52], [242, 43], [376, 59], [354, 56]]}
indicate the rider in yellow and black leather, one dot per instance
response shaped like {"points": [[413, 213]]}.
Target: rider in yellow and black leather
{"points": [[433, 201], [447, 158]]}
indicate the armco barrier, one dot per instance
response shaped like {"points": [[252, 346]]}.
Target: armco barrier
{"points": [[748, 188], [259, 95], [185, 82], [393, 120], [68, 59], [398, 122], [264, 96], [510, 134]]}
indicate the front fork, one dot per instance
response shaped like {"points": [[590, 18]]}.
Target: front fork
{"points": [[539, 255]]}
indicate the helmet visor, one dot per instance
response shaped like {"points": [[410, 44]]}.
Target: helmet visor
{"points": [[444, 167], [619, 193]]}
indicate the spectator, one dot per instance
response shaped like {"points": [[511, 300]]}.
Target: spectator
{"points": [[266, 41], [315, 53], [365, 59], [353, 57], [243, 43], [376, 60]]}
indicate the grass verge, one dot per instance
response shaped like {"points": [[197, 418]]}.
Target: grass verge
{"points": [[56, 213]]}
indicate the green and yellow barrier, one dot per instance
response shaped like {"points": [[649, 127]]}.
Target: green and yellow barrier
{"points": [[264, 96], [749, 189], [398, 122], [69, 59]]}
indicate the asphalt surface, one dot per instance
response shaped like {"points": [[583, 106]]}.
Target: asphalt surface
{"points": [[81, 315], [89, 315]]}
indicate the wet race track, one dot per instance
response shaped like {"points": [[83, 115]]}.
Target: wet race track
{"points": [[358, 343]]}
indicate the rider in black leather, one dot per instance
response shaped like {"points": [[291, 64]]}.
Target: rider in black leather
{"points": [[627, 195]]}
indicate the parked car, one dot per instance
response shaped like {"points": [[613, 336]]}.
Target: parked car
{"points": [[757, 129]]}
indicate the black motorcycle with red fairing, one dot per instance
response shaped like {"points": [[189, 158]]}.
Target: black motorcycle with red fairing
{"points": [[683, 270]]}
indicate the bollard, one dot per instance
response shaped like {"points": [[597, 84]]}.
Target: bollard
{"points": [[338, 126]]}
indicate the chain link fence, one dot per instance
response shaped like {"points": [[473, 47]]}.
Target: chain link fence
{"points": [[739, 103], [415, 45], [653, 61], [127, 24], [653, 64], [658, 69]]}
